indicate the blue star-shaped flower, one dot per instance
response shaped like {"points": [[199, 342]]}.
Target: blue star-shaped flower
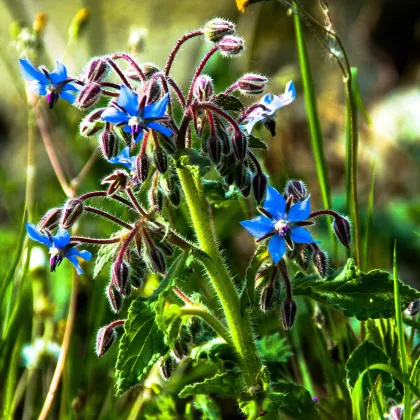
{"points": [[125, 159], [281, 225], [131, 112], [272, 104], [59, 246], [53, 84]]}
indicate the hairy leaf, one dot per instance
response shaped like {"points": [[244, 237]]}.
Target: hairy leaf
{"points": [[273, 348], [227, 102], [363, 295], [256, 143], [104, 256], [213, 350], [377, 402], [415, 374], [208, 407], [191, 158]]}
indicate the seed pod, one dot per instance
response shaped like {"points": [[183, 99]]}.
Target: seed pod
{"points": [[50, 220], [414, 308], [240, 145], [166, 368], [217, 28], [89, 95], [142, 167], [120, 273], [108, 143], [320, 260], [252, 84], [160, 159], [104, 340], [259, 186], [231, 45], [71, 212], [342, 230], [214, 149], [180, 349], [157, 260], [114, 297], [296, 189], [288, 313], [267, 298], [203, 88], [92, 123], [97, 70]]}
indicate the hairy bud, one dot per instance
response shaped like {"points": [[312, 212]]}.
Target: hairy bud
{"points": [[167, 143], [71, 212], [252, 84], [118, 181], [180, 349], [89, 95], [240, 145], [160, 159], [114, 297], [214, 148], [148, 70], [166, 368], [108, 143], [259, 186], [226, 164], [242, 177], [120, 273], [267, 298], [217, 28], [297, 189], [203, 88], [288, 313], [156, 198], [142, 167], [231, 45], [50, 220], [342, 230], [97, 70], [223, 136], [320, 261], [104, 340], [92, 123], [166, 248], [157, 260], [172, 190]]}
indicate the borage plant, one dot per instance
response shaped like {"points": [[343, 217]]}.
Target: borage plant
{"points": [[184, 149]]}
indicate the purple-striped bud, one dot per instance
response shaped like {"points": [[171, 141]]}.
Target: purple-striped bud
{"points": [[342, 230], [252, 84], [104, 340], [242, 177], [166, 248], [120, 274], [214, 148], [203, 88], [217, 28], [142, 167], [231, 45], [226, 164], [97, 70], [180, 349], [297, 189], [89, 95], [71, 212], [240, 145], [50, 220], [136, 276], [223, 136], [166, 368], [108, 143], [167, 143], [157, 260], [92, 123], [288, 313], [267, 298], [148, 69], [320, 261], [114, 297], [156, 198], [160, 159], [259, 186]]}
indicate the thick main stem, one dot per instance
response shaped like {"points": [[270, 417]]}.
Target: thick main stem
{"points": [[239, 325]]}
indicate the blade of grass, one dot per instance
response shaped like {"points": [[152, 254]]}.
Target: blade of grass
{"points": [[369, 218], [401, 340]]}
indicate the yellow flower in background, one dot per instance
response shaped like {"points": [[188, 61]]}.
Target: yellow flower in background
{"points": [[243, 4]]}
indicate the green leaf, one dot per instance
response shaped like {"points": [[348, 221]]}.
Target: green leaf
{"points": [[274, 349], [140, 346], [213, 350], [208, 407], [256, 143], [190, 157], [377, 403], [227, 102], [169, 319], [217, 193], [225, 385], [363, 295], [415, 374], [104, 256]]}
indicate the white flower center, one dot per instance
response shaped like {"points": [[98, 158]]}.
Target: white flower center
{"points": [[282, 227], [135, 121]]}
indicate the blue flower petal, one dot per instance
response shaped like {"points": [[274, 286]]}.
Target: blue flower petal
{"points": [[259, 226], [38, 87], [59, 74], [275, 203], [301, 236], [73, 259], [30, 72], [85, 255], [276, 248], [300, 211], [161, 128], [124, 159], [68, 96], [61, 238], [156, 110], [251, 122], [127, 129], [71, 87], [114, 116], [128, 100], [34, 234]]}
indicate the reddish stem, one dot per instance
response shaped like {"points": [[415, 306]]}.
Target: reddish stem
{"points": [[127, 58], [182, 296], [324, 212], [135, 202], [92, 194], [119, 72], [95, 241], [117, 323], [231, 88], [250, 109], [107, 216], [283, 271], [217, 110]]}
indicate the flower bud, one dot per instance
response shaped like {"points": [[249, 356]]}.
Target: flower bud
{"points": [[120, 273], [231, 45], [166, 248], [223, 136], [297, 189], [167, 143], [217, 28], [180, 349], [114, 297], [108, 143], [118, 181], [414, 308], [203, 88], [230, 178], [242, 177], [157, 260], [226, 164], [288, 313], [166, 368], [71, 212], [148, 70], [240, 145], [50, 219], [214, 148], [136, 276], [142, 167], [104, 340], [342, 230], [320, 261], [252, 84], [172, 190], [160, 159], [92, 123], [97, 70], [259, 186], [89, 95], [267, 300], [156, 198]]}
